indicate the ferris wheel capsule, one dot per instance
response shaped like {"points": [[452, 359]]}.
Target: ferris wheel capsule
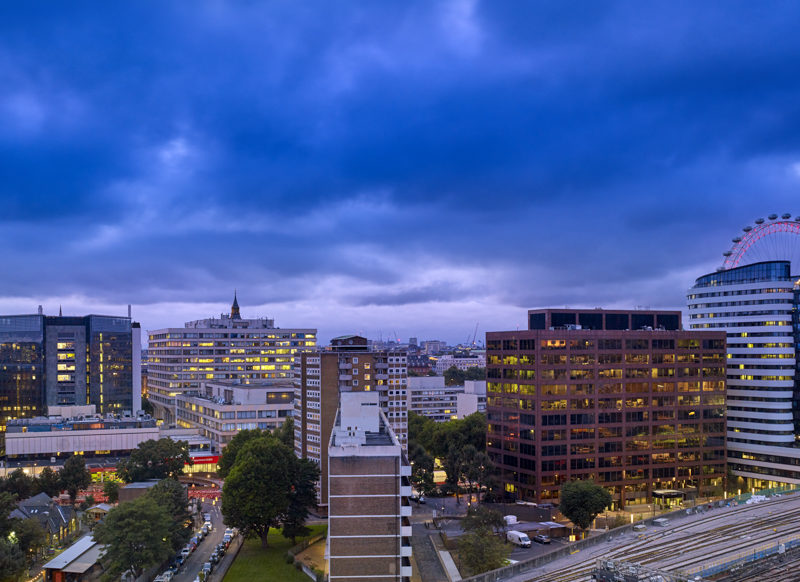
{"points": [[797, 218], [727, 253], [759, 221], [747, 228], [786, 216], [772, 216], [736, 239]]}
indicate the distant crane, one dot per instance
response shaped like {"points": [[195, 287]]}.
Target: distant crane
{"points": [[474, 335]]}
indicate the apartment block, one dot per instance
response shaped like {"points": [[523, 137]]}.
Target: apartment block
{"points": [[428, 396], [369, 531], [222, 409], [623, 397], [348, 365], [227, 348]]}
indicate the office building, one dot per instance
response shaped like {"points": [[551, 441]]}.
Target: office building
{"points": [[756, 306], [227, 348], [443, 363], [369, 532], [222, 409], [428, 396], [623, 397], [348, 365], [68, 361]]}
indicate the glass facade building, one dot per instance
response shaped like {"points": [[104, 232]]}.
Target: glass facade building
{"points": [[756, 306]]}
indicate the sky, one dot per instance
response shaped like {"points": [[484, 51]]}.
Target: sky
{"points": [[395, 169]]}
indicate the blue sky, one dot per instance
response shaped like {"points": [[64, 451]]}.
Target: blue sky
{"points": [[408, 168]]}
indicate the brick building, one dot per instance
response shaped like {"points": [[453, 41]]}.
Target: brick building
{"points": [[623, 397]]}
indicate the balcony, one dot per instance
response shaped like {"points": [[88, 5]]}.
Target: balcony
{"points": [[405, 510], [405, 531], [405, 551], [381, 376], [345, 377], [405, 571], [405, 490], [380, 366], [405, 471], [344, 366]]}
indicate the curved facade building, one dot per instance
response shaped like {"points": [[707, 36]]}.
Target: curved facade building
{"points": [[756, 306]]}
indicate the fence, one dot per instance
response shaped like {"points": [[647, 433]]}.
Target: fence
{"points": [[745, 557]]}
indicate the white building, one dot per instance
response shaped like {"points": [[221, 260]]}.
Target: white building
{"points": [[222, 409], [219, 349], [448, 361], [428, 396], [754, 305]]}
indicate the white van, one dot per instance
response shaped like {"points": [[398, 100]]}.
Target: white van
{"points": [[510, 519], [661, 522], [518, 539]]}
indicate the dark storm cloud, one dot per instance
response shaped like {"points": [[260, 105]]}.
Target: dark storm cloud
{"points": [[390, 154]]}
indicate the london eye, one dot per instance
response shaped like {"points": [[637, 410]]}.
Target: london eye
{"points": [[772, 239]]}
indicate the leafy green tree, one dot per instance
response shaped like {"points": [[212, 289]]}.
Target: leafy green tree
{"points": [[454, 377], [421, 469], [478, 468], [74, 476], [582, 501], [256, 492], [30, 536], [155, 459], [20, 484], [475, 374], [111, 490], [136, 535], [147, 406], [303, 474], [170, 496], [285, 432], [479, 549], [49, 482], [231, 450], [12, 558]]}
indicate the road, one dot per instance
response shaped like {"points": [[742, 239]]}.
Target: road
{"points": [[200, 556]]}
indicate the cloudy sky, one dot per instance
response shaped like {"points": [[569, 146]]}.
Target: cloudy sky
{"points": [[389, 168]]}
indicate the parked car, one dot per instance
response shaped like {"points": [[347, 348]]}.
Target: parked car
{"points": [[209, 525], [207, 516], [541, 539]]}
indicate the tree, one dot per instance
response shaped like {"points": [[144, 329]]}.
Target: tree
{"points": [[475, 373], [111, 490], [303, 474], [30, 536], [421, 468], [12, 558], [479, 549], [20, 484], [155, 459], [582, 501], [285, 432], [147, 406], [136, 535], [256, 491], [49, 482], [454, 377], [74, 476], [170, 496], [231, 450]]}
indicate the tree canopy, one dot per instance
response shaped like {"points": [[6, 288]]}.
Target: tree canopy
{"points": [[111, 490], [12, 557], [20, 484], [231, 450], [74, 476], [137, 535], [170, 495], [582, 501], [267, 486], [479, 549], [50, 482], [155, 459], [455, 377]]}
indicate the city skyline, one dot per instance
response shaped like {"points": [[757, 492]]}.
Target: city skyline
{"points": [[398, 170]]}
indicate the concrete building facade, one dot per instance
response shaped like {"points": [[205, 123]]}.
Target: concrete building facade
{"points": [[348, 365], [222, 409], [428, 396], [623, 397], [227, 348], [369, 532]]}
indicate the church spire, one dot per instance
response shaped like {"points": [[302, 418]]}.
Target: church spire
{"points": [[59, 311], [235, 307]]}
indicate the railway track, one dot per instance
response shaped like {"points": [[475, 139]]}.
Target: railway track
{"points": [[693, 543]]}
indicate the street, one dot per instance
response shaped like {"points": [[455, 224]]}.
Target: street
{"points": [[194, 563]]}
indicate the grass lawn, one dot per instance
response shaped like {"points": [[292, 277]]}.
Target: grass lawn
{"points": [[254, 563]]}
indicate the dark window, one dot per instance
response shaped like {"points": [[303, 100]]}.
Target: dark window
{"points": [[714, 344], [536, 321], [610, 344], [617, 321], [562, 319], [527, 345], [581, 418], [640, 320], [636, 344], [510, 345], [590, 320], [670, 322], [554, 419], [663, 344]]}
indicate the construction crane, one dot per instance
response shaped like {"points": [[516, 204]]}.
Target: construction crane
{"points": [[474, 334]]}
